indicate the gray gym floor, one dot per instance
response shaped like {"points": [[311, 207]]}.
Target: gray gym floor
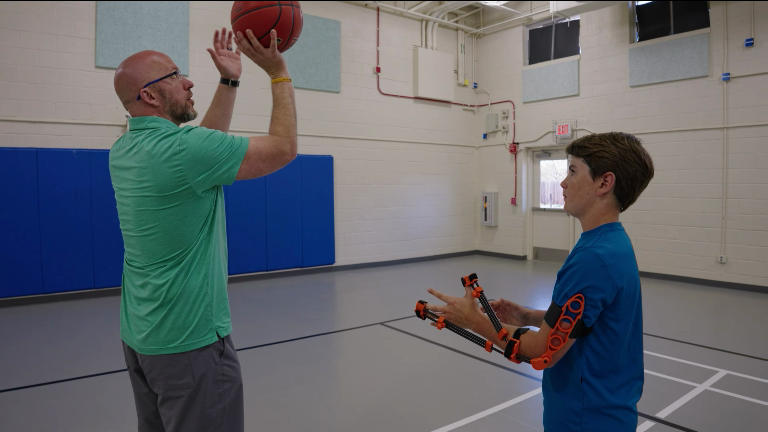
{"points": [[343, 351]]}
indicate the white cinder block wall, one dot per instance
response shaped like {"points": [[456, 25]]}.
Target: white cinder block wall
{"points": [[398, 199], [675, 226], [393, 199]]}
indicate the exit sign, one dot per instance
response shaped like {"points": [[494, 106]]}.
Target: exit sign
{"points": [[563, 129]]}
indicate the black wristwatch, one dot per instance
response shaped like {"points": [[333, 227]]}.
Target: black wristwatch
{"points": [[230, 82]]}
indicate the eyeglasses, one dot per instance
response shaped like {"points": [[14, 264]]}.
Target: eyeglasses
{"points": [[176, 74]]}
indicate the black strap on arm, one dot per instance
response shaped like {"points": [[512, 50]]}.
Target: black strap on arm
{"points": [[510, 352], [553, 315]]}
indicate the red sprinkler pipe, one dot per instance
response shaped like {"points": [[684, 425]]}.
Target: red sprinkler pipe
{"points": [[378, 85]]}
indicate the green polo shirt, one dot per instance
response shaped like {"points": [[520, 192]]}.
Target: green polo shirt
{"points": [[170, 202]]}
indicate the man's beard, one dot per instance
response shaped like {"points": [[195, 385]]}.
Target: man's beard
{"points": [[177, 112]]}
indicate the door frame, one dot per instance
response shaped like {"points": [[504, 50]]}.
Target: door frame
{"points": [[530, 160]]}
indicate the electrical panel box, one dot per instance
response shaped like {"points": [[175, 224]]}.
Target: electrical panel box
{"points": [[492, 122], [433, 73], [490, 210]]}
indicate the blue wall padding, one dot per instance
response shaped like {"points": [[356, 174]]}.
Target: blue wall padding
{"points": [[247, 225], [64, 186], [20, 270], [108, 250], [317, 210], [284, 245], [59, 229]]}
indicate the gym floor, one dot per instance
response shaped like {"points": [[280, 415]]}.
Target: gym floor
{"points": [[343, 351]]}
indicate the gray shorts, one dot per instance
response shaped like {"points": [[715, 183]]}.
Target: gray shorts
{"points": [[199, 390]]}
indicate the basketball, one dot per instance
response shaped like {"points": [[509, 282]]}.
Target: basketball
{"points": [[262, 16]]}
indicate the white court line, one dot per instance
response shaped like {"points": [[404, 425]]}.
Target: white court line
{"points": [[707, 367], [488, 412], [671, 378], [680, 402], [738, 396], [758, 401], [647, 424]]}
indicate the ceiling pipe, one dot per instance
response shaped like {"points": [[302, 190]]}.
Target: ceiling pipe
{"points": [[419, 6], [449, 23], [428, 37], [435, 12], [466, 15], [417, 15], [453, 6], [483, 30]]}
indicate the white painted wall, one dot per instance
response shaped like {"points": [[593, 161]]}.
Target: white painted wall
{"points": [[405, 199], [675, 226], [393, 199]]}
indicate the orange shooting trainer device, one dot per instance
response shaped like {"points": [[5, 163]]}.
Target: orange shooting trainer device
{"points": [[565, 322]]}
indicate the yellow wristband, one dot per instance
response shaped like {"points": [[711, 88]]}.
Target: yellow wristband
{"points": [[277, 80]]}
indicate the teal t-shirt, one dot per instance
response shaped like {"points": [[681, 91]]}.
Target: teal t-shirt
{"points": [[170, 202], [596, 385]]}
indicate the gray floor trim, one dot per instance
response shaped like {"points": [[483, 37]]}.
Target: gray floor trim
{"points": [[106, 292], [664, 422], [707, 347], [335, 268], [115, 291], [59, 297], [501, 255], [706, 282]]}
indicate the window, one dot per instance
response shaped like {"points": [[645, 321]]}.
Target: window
{"points": [[552, 173], [655, 19], [553, 40]]}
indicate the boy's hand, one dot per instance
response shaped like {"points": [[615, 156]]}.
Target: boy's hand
{"points": [[462, 311], [511, 313]]}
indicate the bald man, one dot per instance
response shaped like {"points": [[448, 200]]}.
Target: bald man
{"points": [[174, 313]]}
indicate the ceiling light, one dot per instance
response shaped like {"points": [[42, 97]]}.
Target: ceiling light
{"points": [[493, 3]]}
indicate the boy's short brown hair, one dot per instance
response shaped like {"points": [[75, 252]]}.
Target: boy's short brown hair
{"points": [[623, 155]]}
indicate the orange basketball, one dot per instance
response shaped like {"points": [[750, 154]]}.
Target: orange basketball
{"points": [[262, 16]]}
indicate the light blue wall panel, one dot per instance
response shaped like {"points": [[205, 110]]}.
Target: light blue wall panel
{"points": [[124, 28], [315, 61], [551, 81], [669, 61]]}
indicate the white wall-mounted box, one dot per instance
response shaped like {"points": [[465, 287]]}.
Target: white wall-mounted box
{"points": [[492, 122], [433, 74], [489, 213]]}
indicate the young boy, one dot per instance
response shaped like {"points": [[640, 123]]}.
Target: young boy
{"points": [[593, 382]]}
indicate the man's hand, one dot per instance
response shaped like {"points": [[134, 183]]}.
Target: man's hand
{"points": [[511, 313], [462, 311], [268, 59], [227, 61]]}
